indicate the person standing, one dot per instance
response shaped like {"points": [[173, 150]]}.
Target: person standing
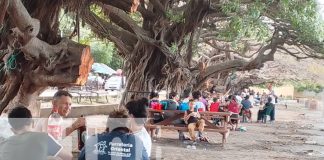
{"points": [[273, 102]]}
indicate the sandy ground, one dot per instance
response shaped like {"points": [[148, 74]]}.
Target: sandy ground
{"points": [[298, 133]]}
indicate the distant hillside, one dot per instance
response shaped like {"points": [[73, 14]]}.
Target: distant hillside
{"points": [[286, 67]]}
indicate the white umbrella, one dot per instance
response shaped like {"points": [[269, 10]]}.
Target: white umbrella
{"points": [[102, 68]]}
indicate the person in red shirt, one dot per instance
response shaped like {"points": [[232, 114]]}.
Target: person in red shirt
{"points": [[235, 108], [214, 107]]}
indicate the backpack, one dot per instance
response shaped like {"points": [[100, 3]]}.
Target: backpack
{"points": [[164, 104], [169, 105], [184, 106], [155, 105]]}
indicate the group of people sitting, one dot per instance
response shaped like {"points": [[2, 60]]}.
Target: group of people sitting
{"points": [[125, 136], [239, 105]]}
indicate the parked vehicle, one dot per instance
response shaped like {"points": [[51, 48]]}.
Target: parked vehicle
{"points": [[115, 83]]}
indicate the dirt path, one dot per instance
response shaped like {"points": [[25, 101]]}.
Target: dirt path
{"points": [[298, 133]]}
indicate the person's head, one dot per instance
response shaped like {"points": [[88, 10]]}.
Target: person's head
{"points": [[62, 101], [269, 99], [118, 120], [144, 101], [191, 104], [205, 95], [196, 95], [132, 97], [215, 99], [230, 97], [246, 97], [20, 118], [173, 95], [137, 110], [154, 95], [185, 94]]}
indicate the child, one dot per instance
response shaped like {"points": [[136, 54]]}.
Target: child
{"points": [[235, 108], [192, 118], [214, 107]]}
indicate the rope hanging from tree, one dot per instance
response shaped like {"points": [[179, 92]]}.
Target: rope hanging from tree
{"points": [[11, 63]]}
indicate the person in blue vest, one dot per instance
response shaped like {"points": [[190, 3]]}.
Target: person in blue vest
{"points": [[117, 143]]}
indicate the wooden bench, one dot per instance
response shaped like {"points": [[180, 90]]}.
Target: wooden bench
{"points": [[174, 115]]}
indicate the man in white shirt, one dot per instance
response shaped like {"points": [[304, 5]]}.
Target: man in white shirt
{"points": [[138, 114], [62, 102]]}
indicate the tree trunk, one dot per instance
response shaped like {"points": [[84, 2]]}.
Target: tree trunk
{"points": [[35, 57]]}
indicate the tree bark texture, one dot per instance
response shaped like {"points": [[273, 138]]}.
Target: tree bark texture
{"points": [[34, 56]]}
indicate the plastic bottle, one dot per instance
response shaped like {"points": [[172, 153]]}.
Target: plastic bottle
{"points": [[54, 126]]}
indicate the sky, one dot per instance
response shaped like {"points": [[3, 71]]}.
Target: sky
{"points": [[321, 7]]}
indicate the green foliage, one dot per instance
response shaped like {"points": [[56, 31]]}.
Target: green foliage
{"points": [[174, 48], [102, 51], [303, 18], [231, 6], [137, 17], [97, 10], [175, 17], [249, 21], [106, 53], [116, 61], [245, 22], [308, 86]]}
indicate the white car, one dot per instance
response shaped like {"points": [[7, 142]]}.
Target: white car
{"points": [[115, 83]]}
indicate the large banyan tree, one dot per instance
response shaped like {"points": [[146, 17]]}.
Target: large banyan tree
{"points": [[171, 44]]}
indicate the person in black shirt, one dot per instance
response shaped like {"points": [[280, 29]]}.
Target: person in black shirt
{"points": [[193, 120]]}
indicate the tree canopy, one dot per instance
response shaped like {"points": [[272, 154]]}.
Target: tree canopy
{"points": [[165, 44]]}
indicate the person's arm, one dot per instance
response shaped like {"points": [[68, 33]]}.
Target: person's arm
{"points": [[198, 115], [77, 124], [203, 107], [185, 117]]}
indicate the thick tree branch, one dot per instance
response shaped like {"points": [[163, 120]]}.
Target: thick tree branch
{"points": [[125, 5], [158, 7], [28, 27], [266, 54], [121, 19], [177, 31], [122, 38], [3, 9]]}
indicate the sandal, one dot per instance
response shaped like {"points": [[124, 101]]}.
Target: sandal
{"points": [[204, 139]]}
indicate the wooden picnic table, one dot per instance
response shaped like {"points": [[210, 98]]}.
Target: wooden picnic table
{"points": [[173, 115]]}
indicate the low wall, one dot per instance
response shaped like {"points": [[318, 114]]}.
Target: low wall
{"points": [[77, 111]]}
